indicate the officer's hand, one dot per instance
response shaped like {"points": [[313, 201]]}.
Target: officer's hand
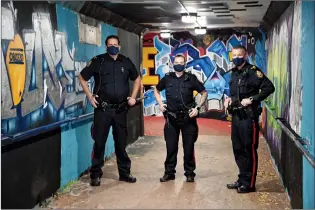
{"points": [[246, 102], [93, 101], [193, 112], [227, 102], [131, 101], [163, 107]]}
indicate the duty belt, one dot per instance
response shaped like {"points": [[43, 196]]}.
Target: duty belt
{"points": [[180, 117], [103, 105]]}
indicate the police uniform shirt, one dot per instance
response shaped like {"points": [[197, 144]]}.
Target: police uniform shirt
{"points": [[111, 77], [179, 90], [251, 82]]}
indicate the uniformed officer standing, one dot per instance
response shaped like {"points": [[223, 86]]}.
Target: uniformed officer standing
{"points": [[111, 72], [248, 87], [180, 113]]}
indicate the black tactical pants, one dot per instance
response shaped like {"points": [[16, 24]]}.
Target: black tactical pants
{"points": [[245, 135], [103, 120], [189, 136]]}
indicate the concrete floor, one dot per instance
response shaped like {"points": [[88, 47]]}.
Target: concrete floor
{"points": [[215, 168]]}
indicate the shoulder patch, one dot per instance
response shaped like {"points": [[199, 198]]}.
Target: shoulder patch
{"points": [[259, 74]]}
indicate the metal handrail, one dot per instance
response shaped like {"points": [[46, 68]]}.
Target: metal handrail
{"points": [[9, 139], [298, 141]]}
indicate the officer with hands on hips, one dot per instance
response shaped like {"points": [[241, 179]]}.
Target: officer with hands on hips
{"points": [[180, 113], [248, 87], [112, 72]]}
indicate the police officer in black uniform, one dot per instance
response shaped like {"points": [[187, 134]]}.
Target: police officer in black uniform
{"points": [[248, 87], [112, 72], [180, 113]]}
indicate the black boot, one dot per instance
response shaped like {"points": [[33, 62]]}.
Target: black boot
{"points": [[190, 179], [167, 177], [95, 182], [245, 189], [234, 185], [128, 178]]}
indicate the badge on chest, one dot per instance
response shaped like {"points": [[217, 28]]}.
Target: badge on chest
{"points": [[122, 70]]}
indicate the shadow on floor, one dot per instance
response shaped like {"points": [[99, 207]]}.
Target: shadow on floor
{"points": [[270, 186]]}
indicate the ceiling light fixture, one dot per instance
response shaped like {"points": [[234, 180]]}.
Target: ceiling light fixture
{"points": [[165, 35], [201, 30], [191, 18]]}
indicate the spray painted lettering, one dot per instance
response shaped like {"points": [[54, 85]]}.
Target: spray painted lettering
{"points": [[41, 70]]}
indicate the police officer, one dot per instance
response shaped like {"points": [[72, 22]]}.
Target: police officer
{"points": [[112, 72], [180, 113], [248, 87]]}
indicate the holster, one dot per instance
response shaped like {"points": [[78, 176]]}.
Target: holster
{"points": [[122, 107]]}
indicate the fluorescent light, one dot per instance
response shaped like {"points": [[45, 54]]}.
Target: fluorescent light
{"points": [[191, 18], [201, 31], [165, 35]]}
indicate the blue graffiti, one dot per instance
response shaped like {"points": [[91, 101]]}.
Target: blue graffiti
{"points": [[161, 47], [216, 80], [215, 86]]}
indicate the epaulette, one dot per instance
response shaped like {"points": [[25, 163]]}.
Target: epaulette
{"points": [[253, 67], [89, 63]]}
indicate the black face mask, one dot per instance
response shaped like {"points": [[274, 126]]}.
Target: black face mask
{"points": [[179, 67], [113, 50], [238, 61]]}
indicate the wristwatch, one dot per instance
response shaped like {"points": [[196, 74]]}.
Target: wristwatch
{"points": [[251, 98], [197, 107]]}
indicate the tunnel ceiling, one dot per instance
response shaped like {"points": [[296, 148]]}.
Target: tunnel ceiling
{"points": [[166, 14]]}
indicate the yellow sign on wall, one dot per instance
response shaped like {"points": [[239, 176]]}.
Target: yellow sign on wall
{"points": [[147, 64], [16, 66]]}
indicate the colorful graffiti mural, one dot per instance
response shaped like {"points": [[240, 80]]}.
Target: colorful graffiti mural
{"points": [[285, 72], [40, 65], [208, 57]]}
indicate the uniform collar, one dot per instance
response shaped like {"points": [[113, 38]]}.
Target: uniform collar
{"points": [[108, 57], [184, 75], [243, 68]]}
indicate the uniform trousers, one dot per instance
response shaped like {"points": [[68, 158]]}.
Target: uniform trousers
{"points": [[189, 132], [103, 120], [245, 135]]}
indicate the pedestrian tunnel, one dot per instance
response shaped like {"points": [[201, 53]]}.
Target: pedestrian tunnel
{"points": [[46, 118]]}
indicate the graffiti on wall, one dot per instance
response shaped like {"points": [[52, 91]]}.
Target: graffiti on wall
{"points": [[208, 57], [39, 73], [284, 60]]}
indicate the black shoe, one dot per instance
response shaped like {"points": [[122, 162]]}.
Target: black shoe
{"points": [[190, 179], [245, 189], [167, 177], [128, 178], [95, 182], [234, 185]]}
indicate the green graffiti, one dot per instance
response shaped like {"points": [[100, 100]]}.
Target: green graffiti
{"points": [[278, 74]]}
